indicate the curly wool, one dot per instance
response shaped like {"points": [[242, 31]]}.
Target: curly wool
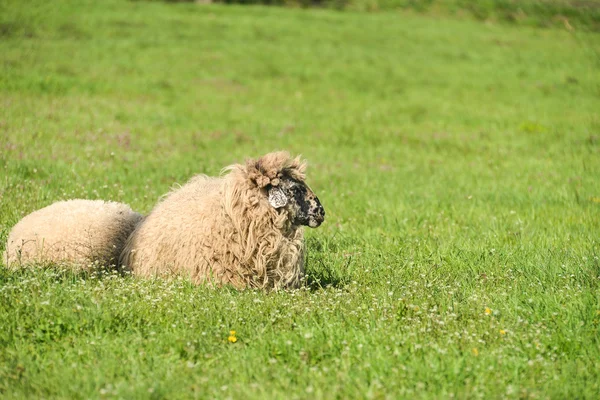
{"points": [[223, 230], [82, 233]]}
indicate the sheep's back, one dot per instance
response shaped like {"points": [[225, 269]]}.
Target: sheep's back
{"points": [[76, 232], [176, 235]]}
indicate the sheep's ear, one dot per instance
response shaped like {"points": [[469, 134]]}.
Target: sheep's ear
{"points": [[277, 198]]}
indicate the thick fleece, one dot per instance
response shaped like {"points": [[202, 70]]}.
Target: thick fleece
{"points": [[223, 230], [83, 233]]}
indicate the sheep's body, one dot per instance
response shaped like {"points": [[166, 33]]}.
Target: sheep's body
{"points": [[223, 230], [81, 233]]}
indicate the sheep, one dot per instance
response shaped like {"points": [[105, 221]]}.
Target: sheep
{"points": [[243, 229], [78, 233]]}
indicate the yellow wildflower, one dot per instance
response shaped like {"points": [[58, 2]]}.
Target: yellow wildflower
{"points": [[502, 332], [232, 338], [488, 311], [475, 351]]}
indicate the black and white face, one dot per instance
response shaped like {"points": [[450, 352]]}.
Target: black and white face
{"points": [[297, 198]]}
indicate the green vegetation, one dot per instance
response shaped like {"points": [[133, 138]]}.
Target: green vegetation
{"points": [[458, 162]]}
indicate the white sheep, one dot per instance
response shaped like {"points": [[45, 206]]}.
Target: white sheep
{"points": [[82, 233], [242, 229]]}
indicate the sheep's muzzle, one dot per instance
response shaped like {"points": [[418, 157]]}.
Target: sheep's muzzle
{"points": [[317, 213]]}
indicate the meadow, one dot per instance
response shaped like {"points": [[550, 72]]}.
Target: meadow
{"points": [[458, 161]]}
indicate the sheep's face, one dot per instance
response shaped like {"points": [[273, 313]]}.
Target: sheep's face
{"points": [[298, 200]]}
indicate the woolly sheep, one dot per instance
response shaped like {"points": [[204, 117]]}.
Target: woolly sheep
{"points": [[82, 233], [243, 228]]}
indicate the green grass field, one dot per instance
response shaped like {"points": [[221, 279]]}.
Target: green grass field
{"points": [[458, 162]]}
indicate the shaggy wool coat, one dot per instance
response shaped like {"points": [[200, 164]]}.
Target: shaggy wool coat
{"points": [[223, 230]]}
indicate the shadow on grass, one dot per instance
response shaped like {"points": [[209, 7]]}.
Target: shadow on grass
{"points": [[322, 271], [324, 277]]}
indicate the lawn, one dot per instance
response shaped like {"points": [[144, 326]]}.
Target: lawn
{"points": [[458, 162]]}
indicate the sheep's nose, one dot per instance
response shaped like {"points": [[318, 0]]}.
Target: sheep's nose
{"points": [[320, 211]]}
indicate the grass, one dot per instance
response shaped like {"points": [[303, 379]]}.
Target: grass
{"points": [[458, 163]]}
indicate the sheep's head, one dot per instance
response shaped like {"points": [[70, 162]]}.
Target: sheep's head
{"points": [[282, 180], [300, 202]]}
